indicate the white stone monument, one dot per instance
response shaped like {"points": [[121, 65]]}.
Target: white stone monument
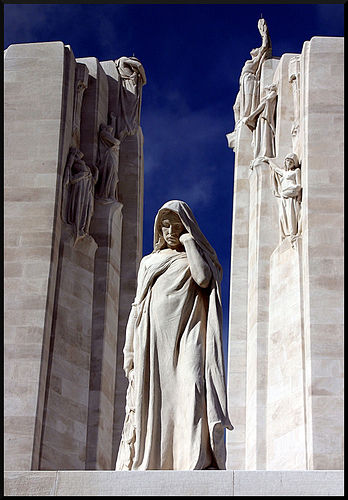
{"points": [[73, 240], [72, 132], [285, 361]]}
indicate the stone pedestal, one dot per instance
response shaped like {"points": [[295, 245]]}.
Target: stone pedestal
{"points": [[106, 228], [262, 240], [64, 435], [237, 346], [131, 188], [175, 483], [286, 406]]}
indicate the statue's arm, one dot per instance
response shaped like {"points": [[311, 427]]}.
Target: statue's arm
{"points": [[79, 176], [71, 158], [274, 166], [251, 119], [113, 121], [263, 30], [236, 109], [298, 176], [200, 270], [95, 173], [128, 350]]}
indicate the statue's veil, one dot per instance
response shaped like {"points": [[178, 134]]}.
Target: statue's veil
{"points": [[191, 225]]}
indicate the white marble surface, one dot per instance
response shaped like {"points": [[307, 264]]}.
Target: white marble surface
{"points": [[319, 288], [178, 483], [176, 397], [33, 156]]}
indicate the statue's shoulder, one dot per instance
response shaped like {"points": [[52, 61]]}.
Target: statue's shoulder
{"points": [[146, 259]]}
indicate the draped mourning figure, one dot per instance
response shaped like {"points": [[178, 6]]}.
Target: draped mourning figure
{"points": [[176, 409], [107, 162], [248, 97], [294, 80], [81, 84], [262, 122], [286, 183], [132, 78], [78, 199]]}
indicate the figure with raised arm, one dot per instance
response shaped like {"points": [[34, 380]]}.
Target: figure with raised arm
{"points": [[248, 97], [287, 188]]}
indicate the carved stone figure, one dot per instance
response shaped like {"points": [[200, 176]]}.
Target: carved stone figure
{"points": [[262, 124], [176, 400], [248, 97], [107, 163], [78, 199], [287, 187], [294, 80], [132, 78], [81, 80]]}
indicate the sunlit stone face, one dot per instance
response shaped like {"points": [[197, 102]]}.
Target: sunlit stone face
{"points": [[172, 228]]}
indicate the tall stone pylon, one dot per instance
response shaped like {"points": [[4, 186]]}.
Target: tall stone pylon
{"points": [[73, 243], [286, 293]]}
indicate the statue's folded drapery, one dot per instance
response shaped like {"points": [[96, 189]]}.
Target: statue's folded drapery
{"points": [[176, 402], [287, 188]]}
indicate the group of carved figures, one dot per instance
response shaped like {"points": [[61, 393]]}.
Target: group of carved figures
{"points": [[176, 404], [83, 183], [259, 115], [176, 411]]}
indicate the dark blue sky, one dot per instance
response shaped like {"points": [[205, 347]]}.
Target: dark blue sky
{"points": [[193, 55]]}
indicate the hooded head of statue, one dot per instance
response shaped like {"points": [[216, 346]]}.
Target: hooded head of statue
{"points": [[191, 226], [294, 158]]}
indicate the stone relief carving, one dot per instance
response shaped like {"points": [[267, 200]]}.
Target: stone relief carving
{"points": [[81, 80], [176, 399], [286, 183], [294, 80], [107, 162], [262, 122], [248, 97], [78, 196], [132, 78]]}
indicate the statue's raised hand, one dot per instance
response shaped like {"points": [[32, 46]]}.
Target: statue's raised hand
{"points": [[262, 27]]}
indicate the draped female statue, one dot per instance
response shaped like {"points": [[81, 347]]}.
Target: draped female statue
{"points": [[262, 122], [78, 198], [108, 161], [287, 188], [131, 79], [176, 400]]}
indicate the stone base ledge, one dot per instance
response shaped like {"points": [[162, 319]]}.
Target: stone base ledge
{"points": [[177, 483]]}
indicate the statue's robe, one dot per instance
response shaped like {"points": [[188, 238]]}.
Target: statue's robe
{"points": [[176, 401]]}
